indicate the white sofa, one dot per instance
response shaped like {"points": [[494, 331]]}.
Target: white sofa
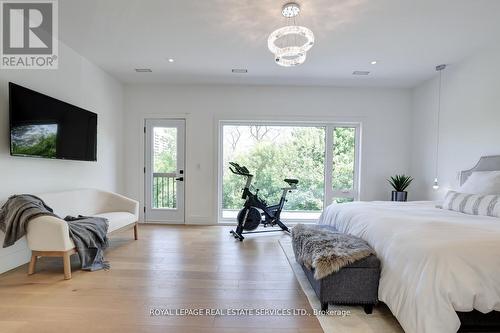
{"points": [[49, 236]]}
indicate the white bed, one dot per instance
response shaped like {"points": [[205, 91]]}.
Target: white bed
{"points": [[434, 262]]}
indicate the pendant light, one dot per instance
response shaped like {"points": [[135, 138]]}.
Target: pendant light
{"points": [[290, 43], [440, 69]]}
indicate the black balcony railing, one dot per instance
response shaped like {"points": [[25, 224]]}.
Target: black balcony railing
{"points": [[164, 190]]}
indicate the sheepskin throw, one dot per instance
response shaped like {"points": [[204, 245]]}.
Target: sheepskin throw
{"points": [[325, 250]]}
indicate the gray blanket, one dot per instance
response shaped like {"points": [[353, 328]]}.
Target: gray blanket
{"points": [[17, 212], [326, 251], [88, 233]]}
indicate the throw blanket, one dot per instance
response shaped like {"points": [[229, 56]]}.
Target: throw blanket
{"points": [[17, 212], [88, 233], [326, 251]]}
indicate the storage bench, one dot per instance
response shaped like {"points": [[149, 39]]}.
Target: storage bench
{"points": [[354, 284]]}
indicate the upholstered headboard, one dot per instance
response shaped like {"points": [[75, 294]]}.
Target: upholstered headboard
{"points": [[486, 163]]}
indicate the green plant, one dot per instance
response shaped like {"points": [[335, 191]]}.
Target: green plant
{"points": [[400, 182]]}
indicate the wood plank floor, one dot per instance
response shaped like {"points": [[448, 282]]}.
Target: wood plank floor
{"points": [[169, 267]]}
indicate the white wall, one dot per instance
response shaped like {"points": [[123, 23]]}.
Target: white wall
{"points": [[78, 82], [384, 114], [470, 122]]}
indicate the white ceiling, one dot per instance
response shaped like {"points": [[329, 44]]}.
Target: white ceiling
{"points": [[207, 38]]}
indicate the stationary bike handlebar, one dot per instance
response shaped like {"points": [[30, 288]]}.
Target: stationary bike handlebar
{"points": [[239, 170], [243, 171]]}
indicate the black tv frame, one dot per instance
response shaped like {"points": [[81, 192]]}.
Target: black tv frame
{"points": [[11, 86]]}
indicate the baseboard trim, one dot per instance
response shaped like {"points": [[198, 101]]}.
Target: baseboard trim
{"points": [[199, 220], [13, 260]]}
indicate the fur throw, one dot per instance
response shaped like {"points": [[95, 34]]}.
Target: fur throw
{"points": [[325, 250]]}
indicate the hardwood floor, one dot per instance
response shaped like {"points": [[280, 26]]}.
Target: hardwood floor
{"points": [[169, 267]]}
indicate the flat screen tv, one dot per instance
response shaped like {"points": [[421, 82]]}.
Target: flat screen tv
{"points": [[42, 126]]}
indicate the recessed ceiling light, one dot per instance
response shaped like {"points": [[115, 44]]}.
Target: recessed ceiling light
{"points": [[374, 62], [360, 73], [171, 60], [239, 70], [143, 70]]}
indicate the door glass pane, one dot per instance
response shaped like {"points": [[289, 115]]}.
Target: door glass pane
{"points": [[164, 167], [273, 153], [344, 141]]}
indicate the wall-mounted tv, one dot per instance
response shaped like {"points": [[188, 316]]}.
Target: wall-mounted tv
{"points": [[42, 126]]}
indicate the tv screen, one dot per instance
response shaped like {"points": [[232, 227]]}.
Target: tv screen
{"points": [[42, 126]]}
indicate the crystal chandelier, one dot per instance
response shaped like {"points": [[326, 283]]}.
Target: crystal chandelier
{"points": [[290, 43]]}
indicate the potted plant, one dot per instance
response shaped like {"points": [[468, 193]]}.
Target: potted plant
{"points": [[400, 183]]}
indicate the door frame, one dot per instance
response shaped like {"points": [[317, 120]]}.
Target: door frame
{"points": [[183, 136]]}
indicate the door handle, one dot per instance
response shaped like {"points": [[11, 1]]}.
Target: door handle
{"points": [[181, 179]]}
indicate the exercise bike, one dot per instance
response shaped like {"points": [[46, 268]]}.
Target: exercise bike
{"points": [[256, 211]]}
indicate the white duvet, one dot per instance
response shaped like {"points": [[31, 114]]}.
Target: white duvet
{"points": [[434, 261]]}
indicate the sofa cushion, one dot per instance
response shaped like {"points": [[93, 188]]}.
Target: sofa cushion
{"points": [[117, 220], [86, 202]]}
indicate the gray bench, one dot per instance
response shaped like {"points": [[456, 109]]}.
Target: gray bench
{"points": [[355, 284]]}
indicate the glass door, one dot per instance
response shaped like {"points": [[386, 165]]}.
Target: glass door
{"points": [[164, 170]]}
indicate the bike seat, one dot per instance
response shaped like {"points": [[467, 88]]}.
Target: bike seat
{"points": [[291, 181]]}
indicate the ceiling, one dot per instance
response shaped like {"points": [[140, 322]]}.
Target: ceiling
{"points": [[208, 38]]}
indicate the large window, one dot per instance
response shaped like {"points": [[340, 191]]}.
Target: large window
{"points": [[323, 157]]}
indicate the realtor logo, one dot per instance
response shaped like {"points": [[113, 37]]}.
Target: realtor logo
{"points": [[29, 34]]}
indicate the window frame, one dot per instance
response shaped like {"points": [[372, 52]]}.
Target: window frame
{"points": [[329, 192]]}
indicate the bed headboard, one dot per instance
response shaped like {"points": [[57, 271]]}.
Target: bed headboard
{"points": [[486, 163]]}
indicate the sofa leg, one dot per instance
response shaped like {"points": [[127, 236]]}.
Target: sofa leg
{"points": [[136, 231], [66, 255], [67, 265], [324, 306], [368, 308], [32, 265]]}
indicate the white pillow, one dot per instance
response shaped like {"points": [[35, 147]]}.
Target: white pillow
{"points": [[482, 182], [472, 204]]}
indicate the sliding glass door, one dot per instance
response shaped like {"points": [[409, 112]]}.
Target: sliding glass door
{"points": [[323, 157]]}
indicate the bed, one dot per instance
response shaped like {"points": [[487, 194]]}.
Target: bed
{"points": [[437, 264]]}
